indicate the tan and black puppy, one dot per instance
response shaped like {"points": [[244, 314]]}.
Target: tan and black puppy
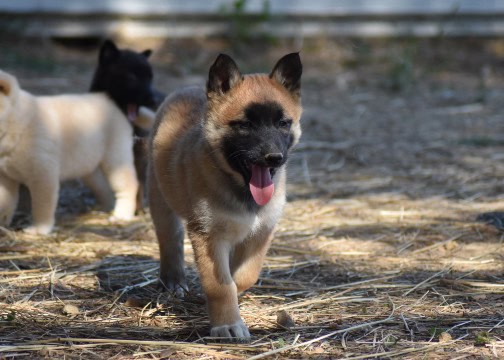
{"points": [[217, 160]]}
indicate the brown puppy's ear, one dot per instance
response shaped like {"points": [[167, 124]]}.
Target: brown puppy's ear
{"points": [[288, 72], [223, 75], [147, 53], [108, 52]]}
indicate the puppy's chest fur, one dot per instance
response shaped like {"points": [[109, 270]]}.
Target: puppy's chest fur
{"points": [[232, 226]]}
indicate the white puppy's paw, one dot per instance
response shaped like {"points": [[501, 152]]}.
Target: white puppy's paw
{"points": [[121, 218], [237, 331], [38, 229]]}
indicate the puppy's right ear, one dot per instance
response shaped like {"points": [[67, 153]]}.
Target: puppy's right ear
{"points": [[108, 52], [223, 75]]}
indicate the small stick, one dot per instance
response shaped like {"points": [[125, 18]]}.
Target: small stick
{"points": [[436, 245], [309, 342], [444, 271]]}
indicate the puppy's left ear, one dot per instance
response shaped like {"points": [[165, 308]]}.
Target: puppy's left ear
{"points": [[288, 72], [147, 53]]}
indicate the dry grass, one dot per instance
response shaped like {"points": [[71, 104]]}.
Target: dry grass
{"points": [[377, 256]]}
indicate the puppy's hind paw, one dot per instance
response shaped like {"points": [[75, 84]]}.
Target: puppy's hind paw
{"points": [[237, 332], [120, 218]]}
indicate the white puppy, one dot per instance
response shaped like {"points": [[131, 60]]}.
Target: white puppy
{"points": [[47, 139]]}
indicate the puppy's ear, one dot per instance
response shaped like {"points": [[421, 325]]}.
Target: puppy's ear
{"points": [[288, 72], [147, 53], [108, 52], [5, 85], [223, 75]]}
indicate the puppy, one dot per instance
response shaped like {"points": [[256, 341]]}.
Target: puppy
{"points": [[217, 160], [47, 139], [126, 77]]}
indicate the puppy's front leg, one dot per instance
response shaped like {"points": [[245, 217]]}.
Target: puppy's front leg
{"points": [[9, 193], [124, 184], [248, 258], [212, 258], [44, 195]]}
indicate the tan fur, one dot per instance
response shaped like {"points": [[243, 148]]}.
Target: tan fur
{"points": [[187, 172], [46, 139]]}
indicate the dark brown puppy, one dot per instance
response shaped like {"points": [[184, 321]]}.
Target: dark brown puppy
{"points": [[217, 160]]}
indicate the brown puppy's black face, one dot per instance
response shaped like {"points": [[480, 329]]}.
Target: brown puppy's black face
{"points": [[262, 137], [255, 120]]}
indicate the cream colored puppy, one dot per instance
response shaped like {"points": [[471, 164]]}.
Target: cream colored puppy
{"points": [[47, 139]]}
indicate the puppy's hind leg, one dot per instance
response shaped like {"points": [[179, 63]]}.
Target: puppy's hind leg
{"points": [[97, 182], [9, 193], [170, 235]]}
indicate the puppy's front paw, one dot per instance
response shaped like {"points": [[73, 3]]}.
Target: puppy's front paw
{"points": [[237, 331], [38, 229], [176, 287]]}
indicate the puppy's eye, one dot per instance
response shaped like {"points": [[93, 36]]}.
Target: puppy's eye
{"points": [[240, 124], [284, 124]]}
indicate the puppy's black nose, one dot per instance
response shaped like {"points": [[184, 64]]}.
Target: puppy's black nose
{"points": [[274, 159]]}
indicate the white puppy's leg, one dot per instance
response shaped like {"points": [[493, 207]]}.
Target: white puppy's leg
{"points": [[125, 186], [9, 193], [44, 195], [97, 182], [121, 175]]}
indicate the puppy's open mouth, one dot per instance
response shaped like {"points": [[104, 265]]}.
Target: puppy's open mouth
{"points": [[132, 112], [261, 184]]}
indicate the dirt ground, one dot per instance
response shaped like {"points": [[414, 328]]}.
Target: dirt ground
{"points": [[378, 254]]}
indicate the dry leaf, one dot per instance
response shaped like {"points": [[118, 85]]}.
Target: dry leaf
{"points": [[444, 337], [135, 302], [71, 310]]}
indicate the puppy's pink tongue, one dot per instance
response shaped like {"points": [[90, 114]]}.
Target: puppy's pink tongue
{"points": [[132, 112], [261, 186]]}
